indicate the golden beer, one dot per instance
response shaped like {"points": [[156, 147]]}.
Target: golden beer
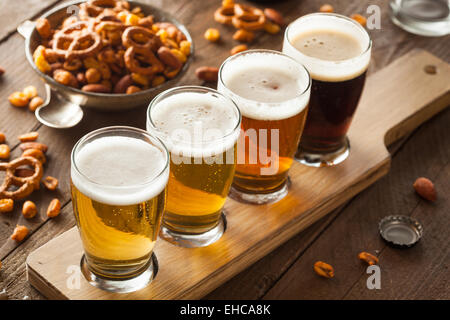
{"points": [[272, 92], [200, 128], [118, 184]]}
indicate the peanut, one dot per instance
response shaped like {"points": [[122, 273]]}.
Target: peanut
{"points": [[367, 257], [324, 269], [54, 208], [20, 232], [168, 58], [207, 73], [185, 47], [93, 75], [274, 16], [179, 55], [359, 18], [140, 79], [30, 92], [96, 87], [35, 103], [2, 137], [6, 205], [35, 153], [5, 151], [50, 183], [425, 188], [19, 99], [158, 80], [30, 136], [132, 89], [326, 8], [33, 145], [239, 48], [243, 35], [29, 209], [271, 28], [212, 34]]}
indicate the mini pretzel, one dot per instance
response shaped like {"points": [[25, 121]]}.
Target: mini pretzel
{"points": [[77, 34], [224, 15], [151, 41], [26, 185], [249, 18], [147, 56]]}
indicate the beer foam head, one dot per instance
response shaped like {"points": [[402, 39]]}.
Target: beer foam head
{"points": [[265, 84], [119, 170], [326, 70], [194, 121]]}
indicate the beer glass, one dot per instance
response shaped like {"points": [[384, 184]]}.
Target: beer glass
{"points": [[118, 183], [200, 128], [272, 91], [336, 51]]}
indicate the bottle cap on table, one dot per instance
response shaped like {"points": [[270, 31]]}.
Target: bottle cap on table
{"points": [[400, 231]]}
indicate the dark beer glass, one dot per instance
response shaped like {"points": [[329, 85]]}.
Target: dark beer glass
{"points": [[338, 76]]}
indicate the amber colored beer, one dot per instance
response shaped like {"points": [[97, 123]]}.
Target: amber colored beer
{"points": [[336, 52], [118, 184], [200, 128], [272, 92]]}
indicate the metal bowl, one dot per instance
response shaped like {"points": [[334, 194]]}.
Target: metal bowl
{"points": [[103, 101]]}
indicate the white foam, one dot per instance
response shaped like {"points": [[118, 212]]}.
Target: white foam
{"points": [[119, 170], [197, 124], [325, 70], [251, 69]]}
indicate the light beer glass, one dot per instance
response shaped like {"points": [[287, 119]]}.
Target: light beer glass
{"points": [[200, 127], [118, 183], [272, 91], [336, 51]]}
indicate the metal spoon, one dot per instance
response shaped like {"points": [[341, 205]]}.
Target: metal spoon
{"points": [[55, 112]]}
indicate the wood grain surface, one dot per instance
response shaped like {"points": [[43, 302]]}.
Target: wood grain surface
{"points": [[389, 43]]}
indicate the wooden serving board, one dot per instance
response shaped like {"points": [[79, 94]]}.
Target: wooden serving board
{"points": [[396, 100]]}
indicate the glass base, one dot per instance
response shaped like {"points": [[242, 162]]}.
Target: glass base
{"points": [[195, 240], [260, 198], [324, 159], [422, 17], [121, 285]]}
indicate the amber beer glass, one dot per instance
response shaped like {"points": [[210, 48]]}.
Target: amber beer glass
{"points": [[272, 91], [336, 51], [118, 182], [200, 128]]}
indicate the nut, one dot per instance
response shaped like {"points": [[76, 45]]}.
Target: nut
{"points": [[239, 48], [207, 73], [326, 8], [274, 15], [96, 87], [33, 145], [35, 103], [20, 232], [30, 92], [65, 77], [2, 137], [212, 34], [51, 183], [6, 205], [425, 188], [168, 58], [367, 257], [122, 85], [359, 18], [35, 153], [140, 79], [54, 208], [324, 269], [93, 75], [132, 89], [29, 209], [30, 136], [243, 35], [4, 151], [18, 99], [158, 80], [185, 47], [271, 28]]}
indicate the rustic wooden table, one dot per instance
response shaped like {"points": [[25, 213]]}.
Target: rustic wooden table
{"points": [[417, 273]]}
